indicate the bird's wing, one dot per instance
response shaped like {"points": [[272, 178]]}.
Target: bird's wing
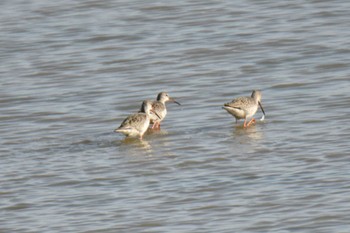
{"points": [[133, 119], [239, 102], [158, 107]]}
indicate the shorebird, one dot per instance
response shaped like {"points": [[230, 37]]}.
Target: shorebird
{"points": [[245, 107], [137, 124], [159, 108]]}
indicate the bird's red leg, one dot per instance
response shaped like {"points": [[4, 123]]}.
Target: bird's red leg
{"points": [[155, 125], [252, 121]]}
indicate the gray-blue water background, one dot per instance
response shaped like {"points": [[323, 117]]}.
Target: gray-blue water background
{"points": [[71, 71]]}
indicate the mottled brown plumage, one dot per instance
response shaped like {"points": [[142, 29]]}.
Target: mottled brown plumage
{"points": [[159, 108], [137, 124], [245, 107]]}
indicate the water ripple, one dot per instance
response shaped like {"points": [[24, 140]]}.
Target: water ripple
{"points": [[71, 72]]}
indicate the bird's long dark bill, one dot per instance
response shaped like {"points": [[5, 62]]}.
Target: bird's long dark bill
{"points": [[156, 114], [261, 108], [173, 100]]}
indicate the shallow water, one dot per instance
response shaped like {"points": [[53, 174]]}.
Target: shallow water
{"points": [[72, 71]]}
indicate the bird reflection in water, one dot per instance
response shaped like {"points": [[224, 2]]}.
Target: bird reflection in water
{"points": [[136, 142], [247, 134]]}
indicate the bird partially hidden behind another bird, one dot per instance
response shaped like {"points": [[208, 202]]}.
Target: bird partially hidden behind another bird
{"points": [[159, 108], [245, 107]]}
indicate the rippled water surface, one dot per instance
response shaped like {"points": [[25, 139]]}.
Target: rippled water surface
{"points": [[71, 71]]}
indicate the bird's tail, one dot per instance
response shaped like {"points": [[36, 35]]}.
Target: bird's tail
{"points": [[122, 129]]}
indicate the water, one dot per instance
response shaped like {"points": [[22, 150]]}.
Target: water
{"points": [[72, 71]]}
